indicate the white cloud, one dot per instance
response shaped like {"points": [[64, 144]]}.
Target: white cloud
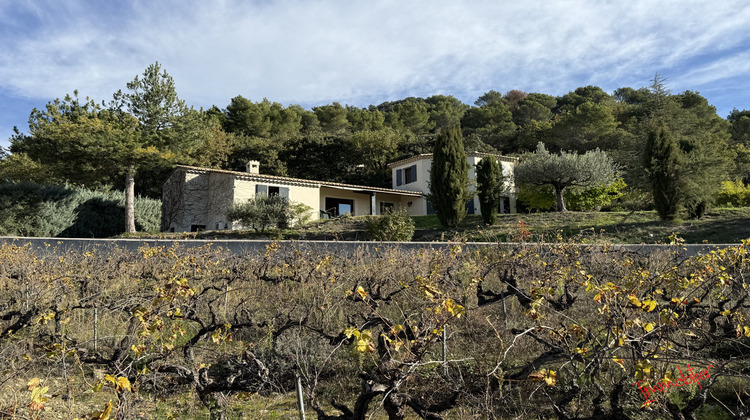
{"points": [[357, 52]]}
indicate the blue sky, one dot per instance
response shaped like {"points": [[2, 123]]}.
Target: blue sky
{"points": [[361, 53]]}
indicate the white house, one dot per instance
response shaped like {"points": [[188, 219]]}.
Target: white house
{"points": [[196, 199], [413, 174]]}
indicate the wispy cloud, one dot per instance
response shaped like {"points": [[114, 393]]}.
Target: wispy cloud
{"points": [[367, 52]]}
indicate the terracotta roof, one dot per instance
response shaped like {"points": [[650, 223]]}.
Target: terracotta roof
{"points": [[424, 156], [298, 181]]}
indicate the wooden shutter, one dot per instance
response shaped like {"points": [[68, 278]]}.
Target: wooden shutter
{"points": [[261, 189], [284, 192], [399, 176]]}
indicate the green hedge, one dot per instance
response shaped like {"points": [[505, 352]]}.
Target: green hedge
{"points": [[28, 209]]}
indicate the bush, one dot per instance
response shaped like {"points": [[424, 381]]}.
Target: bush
{"points": [[542, 198], [733, 193], [392, 226], [262, 212], [29, 209], [594, 198]]}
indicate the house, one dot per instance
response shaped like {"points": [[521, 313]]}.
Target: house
{"points": [[196, 199], [413, 174]]}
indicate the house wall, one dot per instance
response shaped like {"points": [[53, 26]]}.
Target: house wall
{"points": [[414, 206], [422, 183], [185, 199], [361, 201], [245, 189], [423, 176]]}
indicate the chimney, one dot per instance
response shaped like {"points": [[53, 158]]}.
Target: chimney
{"points": [[252, 167]]}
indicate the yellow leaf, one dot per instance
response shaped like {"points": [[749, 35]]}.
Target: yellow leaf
{"points": [[649, 327], [123, 384], [104, 414], [634, 300], [37, 395], [110, 378], [349, 332], [97, 386], [33, 383], [726, 312], [551, 378], [649, 305], [747, 331], [454, 309], [361, 292], [547, 375]]}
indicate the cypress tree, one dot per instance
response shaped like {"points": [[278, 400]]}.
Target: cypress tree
{"points": [[489, 187], [449, 178], [663, 165]]}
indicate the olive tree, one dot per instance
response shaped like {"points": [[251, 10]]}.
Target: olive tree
{"points": [[566, 169]]}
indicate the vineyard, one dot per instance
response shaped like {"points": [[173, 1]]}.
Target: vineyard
{"points": [[556, 332]]}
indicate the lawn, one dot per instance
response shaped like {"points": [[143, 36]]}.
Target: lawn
{"points": [[722, 225]]}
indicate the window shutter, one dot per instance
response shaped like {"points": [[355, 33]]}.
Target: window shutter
{"points": [[399, 174], [284, 192], [261, 189], [413, 173]]}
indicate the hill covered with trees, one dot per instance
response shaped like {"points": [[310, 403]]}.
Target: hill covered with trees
{"points": [[143, 132]]}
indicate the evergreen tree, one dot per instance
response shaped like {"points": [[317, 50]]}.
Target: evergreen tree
{"points": [[449, 177], [662, 165], [490, 184]]}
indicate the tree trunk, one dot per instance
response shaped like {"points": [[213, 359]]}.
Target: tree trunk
{"points": [[560, 199], [130, 199]]}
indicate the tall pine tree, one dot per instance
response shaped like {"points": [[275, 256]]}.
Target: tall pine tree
{"points": [[449, 177]]}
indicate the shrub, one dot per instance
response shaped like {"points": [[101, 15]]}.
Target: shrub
{"points": [[29, 209], [595, 197], [733, 193], [542, 197], [391, 226], [261, 212], [300, 213]]}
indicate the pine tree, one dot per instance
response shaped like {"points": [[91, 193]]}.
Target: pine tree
{"points": [[662, 165], [489, 187], [449, 177]]}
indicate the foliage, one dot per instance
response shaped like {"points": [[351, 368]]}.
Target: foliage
{"points": [[262, 212], [490, 187], [594, 197], [28, 209], [542, 198], [733, 193], [449, 178], [391, 226], [567, 169], [537, 198]]}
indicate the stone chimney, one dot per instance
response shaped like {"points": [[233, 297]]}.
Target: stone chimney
{"points": [[252, 167]]}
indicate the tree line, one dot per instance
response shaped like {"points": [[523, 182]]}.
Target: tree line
{"points": [[132, 141]]}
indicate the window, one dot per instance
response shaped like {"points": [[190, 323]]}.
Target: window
{"points": [[406, 175], [410, 174], [386, 207], [339, 206], [272, 190]]}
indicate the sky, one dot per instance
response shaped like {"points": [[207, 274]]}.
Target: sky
{"points": [[364, 53]]}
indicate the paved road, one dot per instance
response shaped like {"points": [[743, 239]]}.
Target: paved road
{"points": [[62, 245]]}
